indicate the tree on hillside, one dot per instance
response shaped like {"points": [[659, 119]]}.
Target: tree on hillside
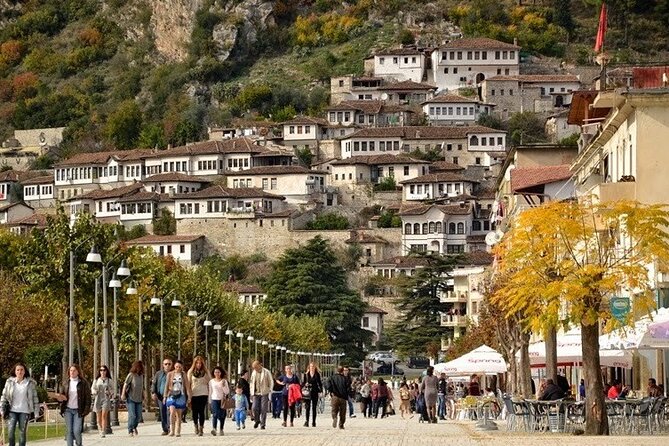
{"points": [[418, 329], [601, 251], [329, 221], [124, 125], [166, 224], [526, 128], [562, 15], [310, 281]]}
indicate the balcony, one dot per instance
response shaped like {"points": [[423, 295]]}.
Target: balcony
{"points": [[454, 296], [453, 320], [615, 191]]}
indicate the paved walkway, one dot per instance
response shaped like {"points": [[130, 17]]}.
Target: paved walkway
{"points": [[392, 431]]}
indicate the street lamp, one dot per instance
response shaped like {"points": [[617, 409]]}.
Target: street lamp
{"points": [[240, 335], [264, 344], [193, 314], [176, 303], [282, 354], [218, 328], [277, 364], [158, 301], [258, 341], [270, 352], [229, 333], [132, 291], [250, 338], [115, 283], [207, 323]]}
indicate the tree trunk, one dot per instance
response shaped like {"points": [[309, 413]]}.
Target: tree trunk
{"points": [[550, 337], [596, 421], [525, 372], [511, 387]]}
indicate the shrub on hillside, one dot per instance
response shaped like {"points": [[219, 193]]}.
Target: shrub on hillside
{"points": [[329, 221]]}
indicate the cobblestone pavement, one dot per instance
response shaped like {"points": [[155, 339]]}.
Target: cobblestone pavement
{"points": [[392, 431]]}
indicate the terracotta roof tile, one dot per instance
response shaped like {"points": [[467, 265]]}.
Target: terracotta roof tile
{"points": [[398, 52], [420, 209], [156, 239], [174, 176], [275, 170], [479, 43], [144, 196], [439, 166], [11, 205], [385, 158], [37, 220], [99, 194], [306, 120], [451, 98], [525, 177], [44, 179], [9, 176], [89, 158], [232, 145], [408, 85], [422, 132], [374, 309], [227, 192], [237, 287], [477, 258]]}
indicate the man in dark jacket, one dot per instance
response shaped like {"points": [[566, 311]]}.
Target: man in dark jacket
{"points": [[340, 388], [157, 389], [552, 392]]}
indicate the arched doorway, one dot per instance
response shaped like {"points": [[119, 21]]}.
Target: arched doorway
{"points": [[480, 78]]}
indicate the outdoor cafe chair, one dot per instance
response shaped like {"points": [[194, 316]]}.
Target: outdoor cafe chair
{"points": [[538, 416], [575, 415]]}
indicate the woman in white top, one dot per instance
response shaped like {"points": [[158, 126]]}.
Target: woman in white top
{"points": [[102, 391], [219, 391], [176, 396], [19, 398], [75, 400]]}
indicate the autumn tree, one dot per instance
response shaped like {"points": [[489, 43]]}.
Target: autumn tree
{"points": [[601, 250]]}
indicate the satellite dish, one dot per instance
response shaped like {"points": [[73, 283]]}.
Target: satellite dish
{"points": [[493, 238], [384, 96]]}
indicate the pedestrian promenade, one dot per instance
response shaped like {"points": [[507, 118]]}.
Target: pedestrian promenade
{"points": [[391, 431]]}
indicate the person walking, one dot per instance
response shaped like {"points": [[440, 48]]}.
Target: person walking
{"points": [[75, 404], [102, 391], [157, 388], [405, 399], [311, 388], [375, 399], [243, 381], [18, 402], [384, 396], [347, 374], [176, 396], [241, 407], [277, 396], [429, 388], [442, 384], [199, 377], [339, 387], [366, 398], [287, 379], [133, 395], [260, 388], [219, 391]]}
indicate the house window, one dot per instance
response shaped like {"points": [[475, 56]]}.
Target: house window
{"points": [[476, 225], [477, 160], [395, 60], [505, 55], [406, 60], [455, 249], [451, 228], [455, 70], [382, 60], [506, 71], [273, 183], [446, 70], [461, 228], [413, 60], [512, 55], [365, 322], [265, 183], [455, 160], [497, 55], [406, 171], [291, 129], [407, 228], [341, 83], [182, 249]]}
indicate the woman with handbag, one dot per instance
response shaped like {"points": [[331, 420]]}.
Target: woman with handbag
{"points": [[219, 394], [102, 391], [75, 404], [18, 401], [133, 395], [311, 388], [176, 396]]}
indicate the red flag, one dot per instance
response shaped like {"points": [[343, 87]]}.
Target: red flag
{"points": [[601, 31]]}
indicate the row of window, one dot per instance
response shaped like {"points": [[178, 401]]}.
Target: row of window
{"points": [[477, 55], [448, 111], [136, 208], [433, 228], [450, 188], [485, 141], [382, 60], [363, 146], [134, 171], [162, 250], [30, 191], [300, 129], [501, 92], [85, 173]]}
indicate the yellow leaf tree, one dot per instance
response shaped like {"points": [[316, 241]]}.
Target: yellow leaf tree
{"points": [[565, 261]]}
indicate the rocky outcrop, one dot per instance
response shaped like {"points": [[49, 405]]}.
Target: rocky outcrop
{"points": [[172, 23]]}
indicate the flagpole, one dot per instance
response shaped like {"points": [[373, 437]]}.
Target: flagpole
{"points": [[599, 45]]}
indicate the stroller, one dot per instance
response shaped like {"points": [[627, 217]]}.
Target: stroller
{"points": [[421, 409]]}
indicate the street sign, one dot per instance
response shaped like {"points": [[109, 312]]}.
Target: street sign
{"points": [[620, 307]]}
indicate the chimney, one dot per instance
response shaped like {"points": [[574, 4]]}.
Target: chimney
{"points": [[515, 41]]}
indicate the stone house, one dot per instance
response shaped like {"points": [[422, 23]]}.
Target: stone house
{"points": [[407, 92], [374, 168], [25, 225], [225, 202], [38, 192], [185, 249], [348, 88], [371, 113], [451, 109], [558, 128], [297, 184], [400, 64], [538, 93], [467, 62], [14, 211], [303, 131], [437, 185]]}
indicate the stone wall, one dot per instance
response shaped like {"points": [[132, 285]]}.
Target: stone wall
{"points": [[270, 236], [362, 195]]}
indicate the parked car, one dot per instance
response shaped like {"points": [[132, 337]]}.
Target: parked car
{"points": [[418, 362], [388, 369], [386, 358], [373, 355]]}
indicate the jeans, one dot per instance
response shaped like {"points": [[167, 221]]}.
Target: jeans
{"points": [[441, 405], [134, 414], [367, 407], [260, 406], [22, 419], [198, 405], [73, 425], [350, 406], [277, 404], [338, 409], [240, 416], [381, 404], [217, 414], [164, 416], [311, 406]]}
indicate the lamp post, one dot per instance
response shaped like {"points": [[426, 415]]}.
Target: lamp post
{"points": [[218, 328], [258, 341], [282, 355], [131, 291], [115, 283], [250, 339], [229, 333], [176, 303], [193, 314], [157, 301], [264, 347], [207, 324], [270, 353], [240, 335]]}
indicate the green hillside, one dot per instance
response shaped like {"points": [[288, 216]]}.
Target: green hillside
{"points": [[117, 75]]}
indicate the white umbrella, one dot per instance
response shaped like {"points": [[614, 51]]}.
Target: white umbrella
{"points": [[649, 332], [482, 360], [569, 351]]}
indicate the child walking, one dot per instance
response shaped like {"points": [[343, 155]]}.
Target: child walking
{"points": [[241, 407], [405, 398]]}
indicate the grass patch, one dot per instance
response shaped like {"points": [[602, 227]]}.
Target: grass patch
{"points": [[36, 432]]}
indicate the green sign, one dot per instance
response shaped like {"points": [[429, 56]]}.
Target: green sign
{"points": [[620, 307]]}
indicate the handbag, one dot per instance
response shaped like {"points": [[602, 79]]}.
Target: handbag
{"points": [[306, 392], [228, 403]]}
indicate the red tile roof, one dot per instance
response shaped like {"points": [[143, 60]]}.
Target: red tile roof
{"points": [[398, 52], [37, 220], [44, 179], [408, 85], [99, 194], [174, 176], [228, 192], [306, 120], [477, 258], [89, 158], [438, 177], [477, 43], [275, 170], [376, 310], [420, 209], [439, 166], [525, 177], [422, 132], [11, 205], [237, 287], [451, 98], [232, 145], [157, 239], [385, 158]]}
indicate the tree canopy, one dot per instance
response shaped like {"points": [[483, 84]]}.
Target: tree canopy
{"points": [[310, 281]]}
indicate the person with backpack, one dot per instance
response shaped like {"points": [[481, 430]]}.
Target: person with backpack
{"points": [[133, 394], [311, 388], [176, 396]]}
